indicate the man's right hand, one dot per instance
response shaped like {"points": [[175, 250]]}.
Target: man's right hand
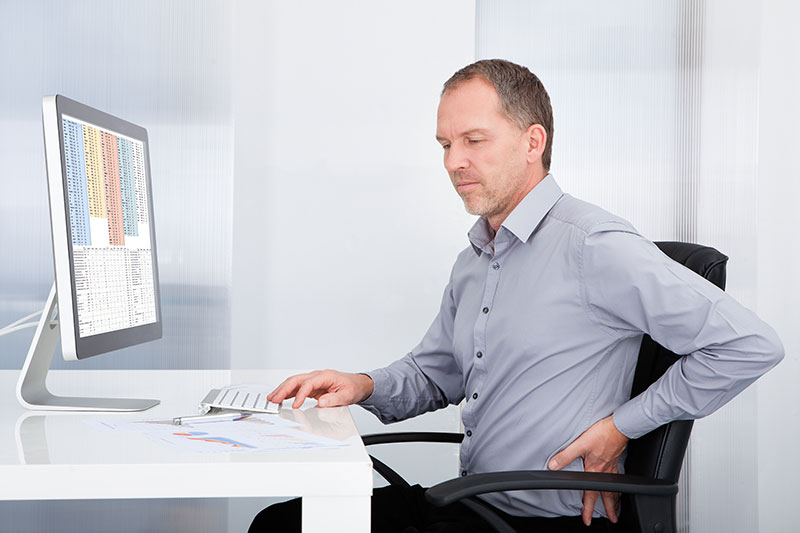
{"points": [[329, 387]]}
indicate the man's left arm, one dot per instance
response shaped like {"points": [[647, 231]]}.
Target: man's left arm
{"points": [[629, 288]]}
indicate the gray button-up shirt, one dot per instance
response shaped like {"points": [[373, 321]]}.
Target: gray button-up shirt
{"points": [[539, 330]]}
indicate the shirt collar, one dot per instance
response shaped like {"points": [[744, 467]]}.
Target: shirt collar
{"points": [[522, 220]]}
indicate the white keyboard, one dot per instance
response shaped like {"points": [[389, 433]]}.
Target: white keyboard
{"points": [[250, 398]]}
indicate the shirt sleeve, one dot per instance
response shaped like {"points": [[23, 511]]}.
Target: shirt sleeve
{"points": [[630, 287], [426, 379]]}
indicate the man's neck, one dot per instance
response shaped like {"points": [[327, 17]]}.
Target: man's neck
{"points": [[495, 221]]}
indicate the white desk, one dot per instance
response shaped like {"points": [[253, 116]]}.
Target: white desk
{"points": [[47, 456]]}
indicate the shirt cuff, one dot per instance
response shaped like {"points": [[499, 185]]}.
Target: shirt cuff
{"points": [[379, 399], [631, 420]]}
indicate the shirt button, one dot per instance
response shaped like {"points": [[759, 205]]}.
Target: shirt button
{"points": [[469, 433], [496, 266], [463, 473], [485, 310], [475, 396], [479, 355]]}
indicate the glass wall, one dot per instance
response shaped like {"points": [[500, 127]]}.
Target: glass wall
{"points": [[165, 66]]}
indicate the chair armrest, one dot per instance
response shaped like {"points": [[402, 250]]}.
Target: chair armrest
{"points": [[456, 489], [412, 436]]}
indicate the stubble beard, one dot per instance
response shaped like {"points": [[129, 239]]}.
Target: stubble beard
{"points": [[488, 202], [481, 201], [485, 205]]}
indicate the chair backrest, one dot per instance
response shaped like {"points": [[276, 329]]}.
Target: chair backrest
{"points": [[660, 453]]}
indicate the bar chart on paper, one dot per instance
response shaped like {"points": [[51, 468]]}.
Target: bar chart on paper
{"points": [[255, 433]]}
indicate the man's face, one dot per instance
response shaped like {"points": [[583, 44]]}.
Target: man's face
{"points": [[485, 153]]}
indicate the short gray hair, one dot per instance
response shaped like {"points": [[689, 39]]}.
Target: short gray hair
{"points": [[525, 100]]}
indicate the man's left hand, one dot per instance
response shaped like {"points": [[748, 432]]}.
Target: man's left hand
{"points": [[600, 447]]}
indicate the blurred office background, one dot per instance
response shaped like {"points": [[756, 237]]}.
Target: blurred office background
{"points": [[304, 219]]}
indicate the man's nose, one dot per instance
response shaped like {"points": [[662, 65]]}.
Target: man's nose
{"points": [[455, 158]]}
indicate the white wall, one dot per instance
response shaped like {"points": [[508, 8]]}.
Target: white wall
{"points": [[778, 257], [345, 223], [723, 452]]}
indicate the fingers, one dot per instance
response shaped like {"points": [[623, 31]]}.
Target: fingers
{"points": [[311, 385], [287, 389], [303, 393], [600, 447], [281, 392], [331, 400], [566, 456], [589, 497], [610, 502], [299, 386]]}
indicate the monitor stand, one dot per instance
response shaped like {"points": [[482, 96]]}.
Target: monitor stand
{"points": [[31, 388]]}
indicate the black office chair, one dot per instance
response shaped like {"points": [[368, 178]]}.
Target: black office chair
{"points": [[650, 485]]}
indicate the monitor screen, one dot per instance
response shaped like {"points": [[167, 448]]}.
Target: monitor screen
{"points": [[101, 206], [109, 228]]}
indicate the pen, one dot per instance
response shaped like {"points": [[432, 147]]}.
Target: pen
{"points": [[233, 417]]}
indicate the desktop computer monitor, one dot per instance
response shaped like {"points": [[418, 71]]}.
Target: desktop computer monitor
{"points": [[106, 292]]}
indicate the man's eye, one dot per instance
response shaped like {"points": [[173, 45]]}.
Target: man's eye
{"points": [[445, 146], [474, 141]]}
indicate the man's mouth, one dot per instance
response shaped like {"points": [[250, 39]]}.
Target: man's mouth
{"points": [[465, 186]]}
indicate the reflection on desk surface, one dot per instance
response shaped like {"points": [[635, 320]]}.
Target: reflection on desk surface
{"points": [[31, 433], [31, 437], [329, 422]]}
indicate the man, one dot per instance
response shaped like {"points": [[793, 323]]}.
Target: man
{"points": [[540, 326]]}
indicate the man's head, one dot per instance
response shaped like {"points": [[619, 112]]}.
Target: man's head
{"points": [[495, 124], [523, 97]]}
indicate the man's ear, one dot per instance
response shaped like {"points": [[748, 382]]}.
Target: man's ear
{"points": [[537, 139]]}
